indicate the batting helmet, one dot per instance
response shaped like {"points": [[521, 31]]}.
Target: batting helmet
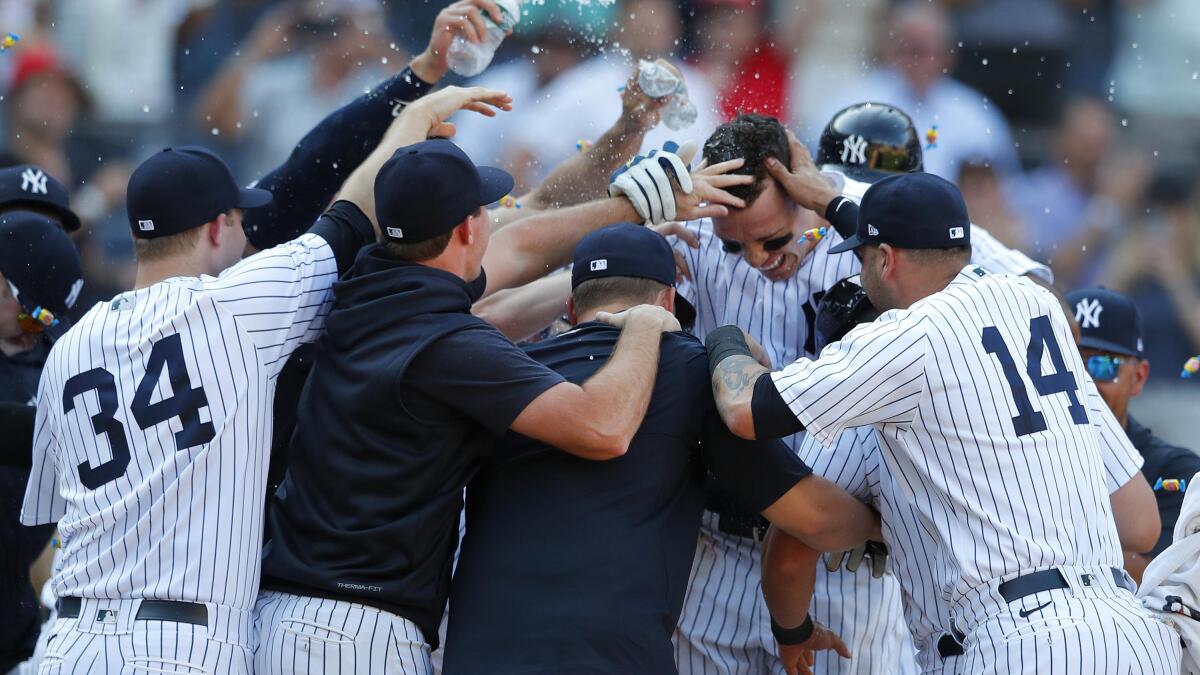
{"points": [[842, 308], [869, 140]]}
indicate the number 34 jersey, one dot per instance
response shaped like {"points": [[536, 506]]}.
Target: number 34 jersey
{"points": [[982, 406], [153, 428]]}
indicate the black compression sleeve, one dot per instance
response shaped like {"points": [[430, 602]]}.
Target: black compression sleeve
{"points": [[324, 158], [843, 215], [16, 435], [346, 229], [772, 417], [724, 342]]}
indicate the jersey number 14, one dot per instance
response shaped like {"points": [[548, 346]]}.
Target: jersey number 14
{"points": [[185, 403], [1041, 338]]}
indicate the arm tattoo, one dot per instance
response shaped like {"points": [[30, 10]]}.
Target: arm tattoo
{"points": [[733, 383]]}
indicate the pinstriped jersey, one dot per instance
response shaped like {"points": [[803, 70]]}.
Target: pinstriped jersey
{"points": [[153, 428], [980, 401], [855, 463]]}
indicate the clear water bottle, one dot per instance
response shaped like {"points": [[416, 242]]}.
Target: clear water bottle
{"points": [[680, 113], [470, 58], [658, 81]]}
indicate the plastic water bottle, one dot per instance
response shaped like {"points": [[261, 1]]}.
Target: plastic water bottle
{"points": [[657, 81], [470, 58]]}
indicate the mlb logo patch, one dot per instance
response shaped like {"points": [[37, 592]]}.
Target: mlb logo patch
{"points": [[146, 225], [599, 265], [872, 230], [956, 233], [106, 616], [395, 233]]}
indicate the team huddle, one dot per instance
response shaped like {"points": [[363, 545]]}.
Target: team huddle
{"points": [[718, 408]]}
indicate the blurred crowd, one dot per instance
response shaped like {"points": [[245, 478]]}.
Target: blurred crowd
{"points": [[1071, 126]]}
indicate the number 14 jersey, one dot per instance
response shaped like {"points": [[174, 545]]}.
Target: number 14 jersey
{"points": [[153, 428], [982, 406]]}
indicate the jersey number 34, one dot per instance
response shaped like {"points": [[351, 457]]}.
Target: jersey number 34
{"points": [[1041, 338], [185, 403]]}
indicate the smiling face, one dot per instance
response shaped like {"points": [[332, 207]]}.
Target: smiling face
{"points": [[767, 233]]}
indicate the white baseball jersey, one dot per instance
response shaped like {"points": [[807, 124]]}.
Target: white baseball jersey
{"points": [[978, 395], [855, 463], [726, 290], [153, 428]]}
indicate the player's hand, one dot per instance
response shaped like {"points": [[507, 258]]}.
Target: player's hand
{"points": [[798, 659], [708, 197], [877, 551], [652, 183], [685, 235], [757, 351], [435, 108], [639, 112], [806, 186], [649, 316], [465, 18]]}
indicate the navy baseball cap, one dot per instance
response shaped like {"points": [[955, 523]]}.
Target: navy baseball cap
{"points": [[428, 188], [26, 186], [40, 262], [623, 250], [1108, 321], [912, 210], [182, 188]]}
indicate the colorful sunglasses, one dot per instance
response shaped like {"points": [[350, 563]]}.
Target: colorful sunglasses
{"points": [[775, 244], [1104, 368], [37, 320]]}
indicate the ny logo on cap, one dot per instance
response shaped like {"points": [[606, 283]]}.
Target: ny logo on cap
{"points": [[599, 265], [872, 231], [1087, 312], [854, 150], [956, 233], [146, 225], [395, 233], [34, 180], [73, 295]]}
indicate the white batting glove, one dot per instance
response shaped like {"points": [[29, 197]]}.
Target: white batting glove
{"points": [[647, 182]]}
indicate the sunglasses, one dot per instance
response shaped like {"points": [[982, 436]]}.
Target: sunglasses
{"points": [[37, 320], [775, 244], [1104, 368]]}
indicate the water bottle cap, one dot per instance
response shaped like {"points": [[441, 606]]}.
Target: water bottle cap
{"points": [[512, 8]]}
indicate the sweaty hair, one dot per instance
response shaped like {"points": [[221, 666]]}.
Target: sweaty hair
{"points": [[752, 137], [158, 248], [606, 290], [419, 250]]}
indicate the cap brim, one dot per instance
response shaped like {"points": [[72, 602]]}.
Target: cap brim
{"points": [[494, 183], [848, 245], [249, 198], [1092, 342]]}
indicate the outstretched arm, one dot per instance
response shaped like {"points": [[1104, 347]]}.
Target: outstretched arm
{"points": [[789, 575]]}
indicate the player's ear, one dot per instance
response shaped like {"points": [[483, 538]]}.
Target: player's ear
{"points": [[1140, 375], [666, 299], [212, 229], [463, 232], [572, 317]]}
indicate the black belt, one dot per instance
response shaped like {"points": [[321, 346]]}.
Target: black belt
{"points": [[149, 610], [1051, 580], [747, 526], [950, 645]]}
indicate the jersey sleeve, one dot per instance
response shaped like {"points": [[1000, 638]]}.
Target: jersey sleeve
{"points": [[990, 254], [43, 503], [1121, 459], [279, 297], [874, 375], [849, 462]]}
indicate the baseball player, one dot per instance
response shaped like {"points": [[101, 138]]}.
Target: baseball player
{"points": [[153, 413], [937, 376], [570, 565], [854, 462]]}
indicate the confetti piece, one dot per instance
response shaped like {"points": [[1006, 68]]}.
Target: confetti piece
{"points": [[508, 201], [931, 138], [815, 234], [8, 41], [582, 145], [1191, 367], [1171, 485]]}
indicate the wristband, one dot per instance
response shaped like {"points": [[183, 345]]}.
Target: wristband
{"points": [[793, 636], [842, 213], [724, 342]]}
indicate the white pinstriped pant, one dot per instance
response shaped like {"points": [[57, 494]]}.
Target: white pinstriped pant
{"points": [[725, 626], [84, 645], [299, 635]]}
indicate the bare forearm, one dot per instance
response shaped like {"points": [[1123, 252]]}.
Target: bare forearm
{"points": [[789, 575], [543, 242], [522, 312], [585, 175], [619, 394], [733, 387], [824, 516]]}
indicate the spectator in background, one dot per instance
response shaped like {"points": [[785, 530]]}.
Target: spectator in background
{"points": [[580, 104], [988, 204], [302, 61], [737, 54], [1075, 201], [918, 54], [1157, 263], [544, 53]]}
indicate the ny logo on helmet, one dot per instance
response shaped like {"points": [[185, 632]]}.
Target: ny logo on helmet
{"points": [[34, 180], [854, 150], [1087, 312]]}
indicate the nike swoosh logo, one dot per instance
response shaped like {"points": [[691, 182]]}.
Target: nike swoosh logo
{"points": [[1026, 612]]}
